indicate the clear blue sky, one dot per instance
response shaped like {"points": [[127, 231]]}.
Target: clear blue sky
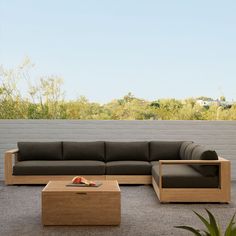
{"points": [[105, 49]]}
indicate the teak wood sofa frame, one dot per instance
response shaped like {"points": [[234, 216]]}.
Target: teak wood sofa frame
{"points": [[220, 194]]}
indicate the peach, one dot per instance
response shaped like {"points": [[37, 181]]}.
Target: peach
{"points": [[77, 180]]}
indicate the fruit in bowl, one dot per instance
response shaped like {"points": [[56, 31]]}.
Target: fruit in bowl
{"points": [[82, 180]]}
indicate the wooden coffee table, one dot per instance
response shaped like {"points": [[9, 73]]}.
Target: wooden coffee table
{"points": [[62, 205]]}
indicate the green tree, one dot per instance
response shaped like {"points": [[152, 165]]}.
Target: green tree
{"points": [[45, 99], [11, 100]]}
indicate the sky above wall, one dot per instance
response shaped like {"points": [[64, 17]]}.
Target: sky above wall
{"points": [[105, 49]]}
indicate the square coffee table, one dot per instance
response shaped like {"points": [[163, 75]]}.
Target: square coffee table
{"points": [[62, 205]]}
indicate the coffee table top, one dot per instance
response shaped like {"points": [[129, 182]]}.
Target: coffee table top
{"points": [[60, 186]]}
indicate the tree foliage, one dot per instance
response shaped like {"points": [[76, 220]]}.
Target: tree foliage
{"points": [[44, 98]]}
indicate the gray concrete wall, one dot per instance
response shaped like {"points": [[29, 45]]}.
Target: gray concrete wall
{"points": [[218, 135]]}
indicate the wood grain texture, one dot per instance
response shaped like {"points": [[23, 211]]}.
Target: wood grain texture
{"points": [[44, 179], [225, 180], [8, 163], [156, 188], [131, 179], [217, 135], [10, 158], [202, 162], [60, 186], [81, 206]]}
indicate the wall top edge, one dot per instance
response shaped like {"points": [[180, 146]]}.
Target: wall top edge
{"points": [[115, 121]]}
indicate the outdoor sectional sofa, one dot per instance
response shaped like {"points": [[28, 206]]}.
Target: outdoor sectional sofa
{"points": [[180, 171]]}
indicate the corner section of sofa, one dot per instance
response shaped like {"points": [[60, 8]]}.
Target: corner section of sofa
{"points": [[199, 176]]}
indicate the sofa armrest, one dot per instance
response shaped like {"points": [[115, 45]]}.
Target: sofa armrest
{"points": [[190, 162], [9, 159], [224, 170], [12, 151]]}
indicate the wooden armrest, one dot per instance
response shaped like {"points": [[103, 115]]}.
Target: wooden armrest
{"points": [[221, 159], [190, 162], [9, 160], [12, 151]]}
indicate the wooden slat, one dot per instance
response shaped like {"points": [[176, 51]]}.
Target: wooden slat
{"points": [[44, 179], [130, 179]]}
